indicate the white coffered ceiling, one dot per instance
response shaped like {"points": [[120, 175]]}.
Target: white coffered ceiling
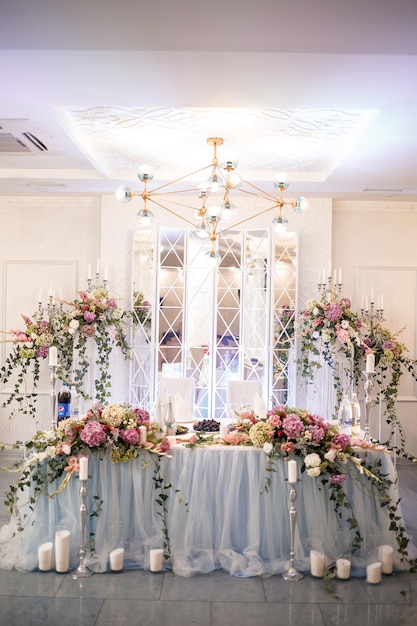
{"points": [[324, 89]]}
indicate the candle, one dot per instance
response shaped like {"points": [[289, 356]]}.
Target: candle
{"points": [[316, 563], [53, 356], [340, 275], [370, 363], [98, 266], [45, 552], [62, 550], [292, 471], [50, 290], [382, 301], [319, 281], [386, 555], [105, 273], [334, 277], [83, 468], [343, 568], [223, 431], [89, 272], [372, 295], [40, 295], [156, 558], [142, 434], [116, 558], [362, 301], [374, 573]]}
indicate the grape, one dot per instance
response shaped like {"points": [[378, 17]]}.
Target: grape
{"points": [[207, 425]]}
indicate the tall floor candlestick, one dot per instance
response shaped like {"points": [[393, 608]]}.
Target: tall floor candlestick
{"points": [[292, 573], [368, 385], [82, 571], [54, 407]]}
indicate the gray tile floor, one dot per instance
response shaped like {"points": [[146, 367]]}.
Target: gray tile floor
{"points": [[140, 598]]}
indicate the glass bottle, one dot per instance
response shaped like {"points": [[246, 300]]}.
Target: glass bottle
{"points": [[356, 415], [75, 403], [345, 416], [170, 428], [158, 415]]}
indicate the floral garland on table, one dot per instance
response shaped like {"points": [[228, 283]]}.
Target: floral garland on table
{"points": [[113, 430], [326, 454], [94, 315], [329, 328]]}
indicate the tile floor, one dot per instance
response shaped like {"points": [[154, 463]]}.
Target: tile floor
{"points": [[140, 598]]}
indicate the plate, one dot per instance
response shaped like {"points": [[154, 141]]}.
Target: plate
{"points": [[207, 426], [181, 430]]}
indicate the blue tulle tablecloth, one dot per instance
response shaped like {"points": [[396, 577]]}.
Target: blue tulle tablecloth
{"points": [[215, 514]]}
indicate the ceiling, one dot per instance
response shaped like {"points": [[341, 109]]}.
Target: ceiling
{"points": [[323, 89]]}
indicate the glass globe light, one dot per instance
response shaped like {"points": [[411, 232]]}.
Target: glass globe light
{"points": [[201, 231], [215, 182], [227, 208], [280, 224], [214, 210], [213, 258], [229, 161], [145, 172], [300, 204], [281, 181], [234, 181], [124, 193], [145, 217]]}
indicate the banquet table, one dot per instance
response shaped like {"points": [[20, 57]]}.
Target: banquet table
{"points": [[217, 513]]}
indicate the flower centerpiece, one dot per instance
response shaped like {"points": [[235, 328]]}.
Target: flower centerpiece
{"points": [[142, 312], [113, 430]]}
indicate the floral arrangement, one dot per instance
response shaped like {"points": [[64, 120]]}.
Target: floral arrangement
{"points": [[331, 330], [94, 315], [114, 430], [284, 332]]}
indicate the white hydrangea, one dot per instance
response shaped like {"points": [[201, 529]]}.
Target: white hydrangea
{"points": [[313, 472], [312, 460], [268, 447]]}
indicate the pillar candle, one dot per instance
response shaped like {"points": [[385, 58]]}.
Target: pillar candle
{"points": [[370, 363], [83, 468], [223, 431], [116, 558], [105, 273], [386, 555], [143, 434], [89, 272], [98, 266], [62, 551], [316, 563], [53, 356], [45, 552], [292, 471], [156, 558], [40, 295], [343, 568], [374, 573]]}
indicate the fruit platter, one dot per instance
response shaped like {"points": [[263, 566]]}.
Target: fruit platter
{"points": [[207, 426]]}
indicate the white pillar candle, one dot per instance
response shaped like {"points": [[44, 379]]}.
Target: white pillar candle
{"points": [[340, 275], [156, 559], [386, 556], [98, 266], [370, 363], [116, 558], [223, 431], [374, 573], [45, 552], [40, 295], [105, 273], [343, 568], [62, 551], [142, 434], [53, 356], [316, 563], [89, 272], [292, 471], [83, 468]]}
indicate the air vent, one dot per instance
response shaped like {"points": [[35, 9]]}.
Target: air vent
{"points": [[19, 137], [387, 192]]}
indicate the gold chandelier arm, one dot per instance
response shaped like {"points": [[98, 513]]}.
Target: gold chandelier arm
{"points": [[177, 180], [162, 206]]}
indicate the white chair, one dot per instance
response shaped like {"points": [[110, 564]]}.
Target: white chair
{"points": [[241, 394], [182, 392]]}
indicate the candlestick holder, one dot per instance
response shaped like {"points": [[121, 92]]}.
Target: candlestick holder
{"points": [[97, 285], [82, 571], [368, 385], [53, 378], [292, 573]]}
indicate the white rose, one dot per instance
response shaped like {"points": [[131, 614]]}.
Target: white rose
{"points": [[74, 324], [28, 344], [345, 324], [34, 336], [66, 449], [268, 447], [315, 311], [330, 455]]}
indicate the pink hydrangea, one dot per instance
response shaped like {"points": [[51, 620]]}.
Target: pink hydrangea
{"points": [[93, 434], [336, 479], [293, 426], [130, 435], [341, 441], [89, 317], [334, 312]]}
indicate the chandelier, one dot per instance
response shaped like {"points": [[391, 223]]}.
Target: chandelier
{"points": [[223, 181]]}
